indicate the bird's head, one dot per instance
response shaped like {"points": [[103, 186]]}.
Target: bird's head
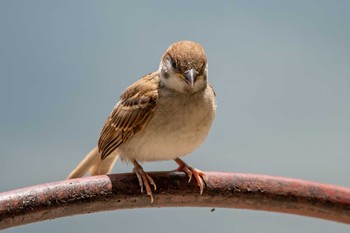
{"points": [[184, 67]]}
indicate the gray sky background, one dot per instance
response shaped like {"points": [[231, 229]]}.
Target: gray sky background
{"points": [[281, 70]]}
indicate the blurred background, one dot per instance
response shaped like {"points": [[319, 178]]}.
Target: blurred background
{"points": [[281, 71]]}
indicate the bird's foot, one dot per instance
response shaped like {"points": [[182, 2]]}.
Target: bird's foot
{"points": [[144, 179], [198, 174]]}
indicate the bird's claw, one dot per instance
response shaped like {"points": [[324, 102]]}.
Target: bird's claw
{"points": [[198, 174], [145, 180]]}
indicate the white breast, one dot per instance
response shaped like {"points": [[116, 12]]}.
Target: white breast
{"points": [[180, 125]]}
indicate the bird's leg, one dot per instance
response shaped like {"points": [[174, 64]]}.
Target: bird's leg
{"points": [[144, 179], [198, 174]]}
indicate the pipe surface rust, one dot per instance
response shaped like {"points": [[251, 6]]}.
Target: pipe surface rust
{"points": [[223, 190]]}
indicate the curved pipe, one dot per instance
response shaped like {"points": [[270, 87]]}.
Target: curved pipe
{"points": [[226, 190]]}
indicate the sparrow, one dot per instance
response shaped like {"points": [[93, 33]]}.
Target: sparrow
{"points": [[165, 115]]}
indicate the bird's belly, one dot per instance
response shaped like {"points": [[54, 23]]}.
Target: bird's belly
{"points": [[170, 142], [170, 135]]}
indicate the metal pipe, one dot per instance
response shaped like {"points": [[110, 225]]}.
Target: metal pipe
{"points": [[223, 190]]}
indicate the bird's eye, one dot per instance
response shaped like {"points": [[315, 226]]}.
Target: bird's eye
{"points": [[173, 63]]}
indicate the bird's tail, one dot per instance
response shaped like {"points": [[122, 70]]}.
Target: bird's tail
{"points": [[93, 164]]}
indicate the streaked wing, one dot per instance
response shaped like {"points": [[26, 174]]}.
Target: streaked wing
{"points": [[131, 114]]}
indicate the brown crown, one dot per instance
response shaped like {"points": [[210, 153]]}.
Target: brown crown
{"points": [[187, 55]]}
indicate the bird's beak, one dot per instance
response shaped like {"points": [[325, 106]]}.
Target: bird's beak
{"points": [[190, 77]]}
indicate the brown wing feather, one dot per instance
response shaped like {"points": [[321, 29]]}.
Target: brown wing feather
{"points": [[130, 115]]}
